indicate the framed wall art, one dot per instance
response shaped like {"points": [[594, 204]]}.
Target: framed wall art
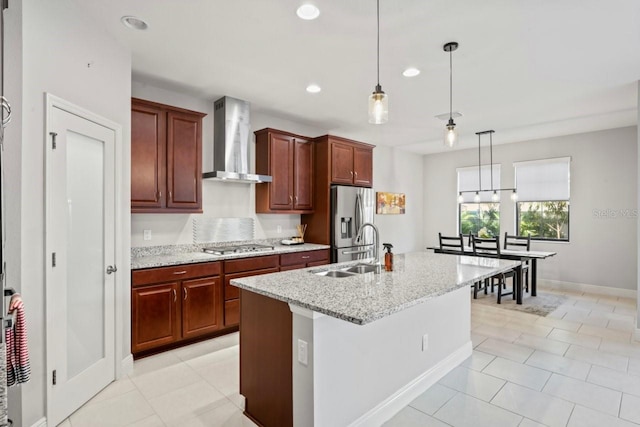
{"points": [[389, 203]]}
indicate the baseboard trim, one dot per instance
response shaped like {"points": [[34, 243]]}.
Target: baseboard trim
{"points": [[400, 399], [126, 366], [596, 289], [42, 422]]}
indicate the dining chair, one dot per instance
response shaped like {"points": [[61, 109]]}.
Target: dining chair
{"points": [[521, 243], [490, 248], [451, 244], [455, 245]]}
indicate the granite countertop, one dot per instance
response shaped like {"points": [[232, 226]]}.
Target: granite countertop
{"points": [[363, 298], [163, 256]]}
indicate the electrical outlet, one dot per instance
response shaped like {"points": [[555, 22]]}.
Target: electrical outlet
{"points": [[279, 229], [146, 234], [303, 353], [425, 342]]}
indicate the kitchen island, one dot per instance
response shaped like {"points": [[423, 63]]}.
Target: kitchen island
{"points": [[336, 351]]}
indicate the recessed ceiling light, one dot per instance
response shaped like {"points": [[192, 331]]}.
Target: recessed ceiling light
{"points": [[134, 23], [411, 72], [313, 88], [308, 12]]}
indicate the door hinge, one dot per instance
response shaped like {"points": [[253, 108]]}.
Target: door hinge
{"points": [[55, 377], [53, 259], [53, 139]]}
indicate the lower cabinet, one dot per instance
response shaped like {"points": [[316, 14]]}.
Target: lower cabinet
{"points": [[155, 317], [297, 260], [166, 310], [244, 267], [184, 302]]}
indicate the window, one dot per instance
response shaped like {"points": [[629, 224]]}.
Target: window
{"points": [[478, 218], [548, 220], [543, 192]]}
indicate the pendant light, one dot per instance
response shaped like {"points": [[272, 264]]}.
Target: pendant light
{"points": [[378, 100], [495, 192], [450, 132]]}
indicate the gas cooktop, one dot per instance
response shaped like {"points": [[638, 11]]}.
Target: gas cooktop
{"points": [[226, 250]]}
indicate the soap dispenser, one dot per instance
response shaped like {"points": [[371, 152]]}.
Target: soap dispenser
{"points": [[388, 257]]}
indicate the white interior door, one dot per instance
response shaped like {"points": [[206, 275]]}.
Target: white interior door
{"points": [[80, 251]]}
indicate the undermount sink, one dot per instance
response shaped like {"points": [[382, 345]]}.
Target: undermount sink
{"points": [[364, 268], [349, 271], [334, 273]]}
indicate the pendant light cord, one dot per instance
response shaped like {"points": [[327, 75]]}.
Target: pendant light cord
{"points": [[378, 45], [491, 156], [479, 173], [450, 85]]}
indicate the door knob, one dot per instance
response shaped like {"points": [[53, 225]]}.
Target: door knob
{"points": [[111, 269]]}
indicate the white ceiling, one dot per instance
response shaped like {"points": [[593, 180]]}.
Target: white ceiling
{"points": [[527, 69]]}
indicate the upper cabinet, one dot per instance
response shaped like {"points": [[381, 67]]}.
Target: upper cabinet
{"points": [[288, 159], [166, 158], [351, 162]]}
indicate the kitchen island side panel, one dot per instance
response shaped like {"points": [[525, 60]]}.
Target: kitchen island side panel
{"points": [[265, 359]]}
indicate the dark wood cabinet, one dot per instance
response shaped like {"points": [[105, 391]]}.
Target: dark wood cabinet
{"points": [[363, 166], [172, 304], [176, 305], [166, 158], [338, 161], [288, 159], [244, 267], [297, 260], [201, 308], [155, 316], [351, 163]]}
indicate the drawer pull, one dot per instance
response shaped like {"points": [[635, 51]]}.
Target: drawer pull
{"points": [[180, 272], [306, 257]]}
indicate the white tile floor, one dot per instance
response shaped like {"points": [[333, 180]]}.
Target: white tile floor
{"points": [[577, 367], [187, 387]]}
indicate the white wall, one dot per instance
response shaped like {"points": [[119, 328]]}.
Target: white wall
{"points": [[59, 42], [602, 250], [398, 171], [394, 171]]}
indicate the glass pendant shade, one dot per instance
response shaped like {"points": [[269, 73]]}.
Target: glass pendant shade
{"points": [[495, 197], [378, 107], [460, 198], [450, 134], [476, 198], [514, 196]]}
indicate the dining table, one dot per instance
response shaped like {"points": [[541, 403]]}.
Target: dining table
{"points": [[515, 255]]}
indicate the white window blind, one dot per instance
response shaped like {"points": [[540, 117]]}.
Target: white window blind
{"points": [[541, 180], [468, 181]]}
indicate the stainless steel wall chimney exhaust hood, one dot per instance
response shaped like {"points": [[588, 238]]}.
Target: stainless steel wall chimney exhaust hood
{"points": [[231, 135]]}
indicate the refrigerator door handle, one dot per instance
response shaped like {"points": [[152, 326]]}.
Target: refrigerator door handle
{"points": [[358, 215], [356, 252]]}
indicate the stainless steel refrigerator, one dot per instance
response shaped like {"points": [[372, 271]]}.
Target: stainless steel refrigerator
{"points": [[350, 208]]}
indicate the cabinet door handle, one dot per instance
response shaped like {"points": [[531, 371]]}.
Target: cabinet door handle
{"points": [[296, 200], [351, 172], [356, 175], [290, 199], [159, 196], [180, 272], [170, 197], [306, 257], [175, 295], [185, 293]]}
